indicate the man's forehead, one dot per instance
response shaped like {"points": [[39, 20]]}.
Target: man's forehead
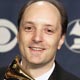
{"points": [[43, 4], [42, 12]]}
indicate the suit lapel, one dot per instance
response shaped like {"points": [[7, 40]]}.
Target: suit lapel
{"points": [[55, 74]]}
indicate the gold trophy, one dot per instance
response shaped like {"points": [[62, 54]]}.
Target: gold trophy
{"points": [[14, 71]]}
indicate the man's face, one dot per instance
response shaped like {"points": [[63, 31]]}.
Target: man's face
{"points": [[39, 34]]}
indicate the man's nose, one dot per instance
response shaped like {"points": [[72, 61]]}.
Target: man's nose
{"points": [[37, 36]]}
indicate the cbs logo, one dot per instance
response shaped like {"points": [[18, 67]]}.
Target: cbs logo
{"points": [[6, 41]]}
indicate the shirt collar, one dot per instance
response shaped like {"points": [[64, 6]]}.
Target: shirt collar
{"points": [[47, 74]]}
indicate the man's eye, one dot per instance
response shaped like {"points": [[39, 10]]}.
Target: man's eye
{"points": [[49, 31], [28, 28]]}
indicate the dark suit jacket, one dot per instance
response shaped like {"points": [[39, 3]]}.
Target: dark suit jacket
{"points": [[58, 74]]}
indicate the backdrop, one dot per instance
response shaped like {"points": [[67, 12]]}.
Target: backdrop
{"points": [[68, 57]]}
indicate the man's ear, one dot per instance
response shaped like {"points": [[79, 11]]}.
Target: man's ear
{"points": [[17, 37], [61, 41]]}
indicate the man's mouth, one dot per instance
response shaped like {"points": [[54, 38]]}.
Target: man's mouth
{"points": [[37, 48]]}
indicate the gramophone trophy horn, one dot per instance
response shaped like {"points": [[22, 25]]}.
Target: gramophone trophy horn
{"points": [[13, 71]]}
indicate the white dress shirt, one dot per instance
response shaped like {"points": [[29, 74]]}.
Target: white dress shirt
{"points": [[46, 75]]}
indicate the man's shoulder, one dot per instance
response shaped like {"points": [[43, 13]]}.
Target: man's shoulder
{"points": [[2, 72], [64, 74]]}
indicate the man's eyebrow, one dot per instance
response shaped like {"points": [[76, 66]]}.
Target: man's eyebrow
{"points": [[27, 22], [49, 25]]}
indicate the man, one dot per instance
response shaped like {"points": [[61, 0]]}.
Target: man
{"points": [[42, 27]]}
